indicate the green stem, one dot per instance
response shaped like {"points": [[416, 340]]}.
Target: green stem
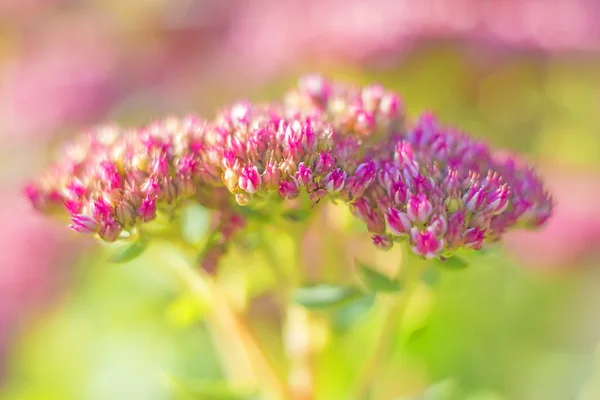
{"points": [[393, 316], [239, 347], [297, 326]]}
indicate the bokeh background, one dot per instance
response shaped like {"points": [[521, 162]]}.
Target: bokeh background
{"points": [[522, 323]]}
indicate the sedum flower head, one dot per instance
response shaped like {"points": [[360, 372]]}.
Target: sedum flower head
{"points": [[111, 180], [440, 190], [423, 183]]}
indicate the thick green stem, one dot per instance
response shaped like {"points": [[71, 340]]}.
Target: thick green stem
{"points": [[394, 314]]}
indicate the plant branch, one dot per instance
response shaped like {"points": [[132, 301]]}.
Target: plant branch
{"points": [[297, 326], [394, 314], [238, 344]]}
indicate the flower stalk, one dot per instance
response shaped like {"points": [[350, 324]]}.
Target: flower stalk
{"points": [[394, 313], [297, 326], [245, 359]]}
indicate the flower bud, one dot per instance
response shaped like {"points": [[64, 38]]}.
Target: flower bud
{"points": [[405, 159], [397, 222], [397, 191], [473, 238], [317, 195], [125, 213], [479, 220], [387, 173], [325, 163], [288, 166], [169, 191], [270, 178], [363, 177], [76, 189], [83, 224], [289, 189], [498, 200], [231, 179], [160, 166], [365, 211], [456, 226], [419, 208], [310, 138], [242, 199], [150, 187], [474, 198], [147, 210], [426, 244], [112, 197], [73, 206], [438, 225], [249, 180], [293, 141], [451, 183], [100, 209], [303, 175], [109, 175], [453, 203], [110, 230], [229, 159], [186, 166], [382, 242], [236, 146], [334, 181]]}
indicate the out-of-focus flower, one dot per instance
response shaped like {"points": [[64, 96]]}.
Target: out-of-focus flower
{"points": [[11, 11], [365, 31], [428, 184], [67, 76]]}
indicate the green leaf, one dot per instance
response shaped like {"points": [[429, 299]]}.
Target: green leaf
{"points": [[296, 215], [253, 214], [325, 295], [129, 252], [452, 263], [348, 314], [431, 276], [374, 280]]}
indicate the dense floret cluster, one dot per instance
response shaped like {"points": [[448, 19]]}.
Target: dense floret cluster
{"points": [[425, 183]]}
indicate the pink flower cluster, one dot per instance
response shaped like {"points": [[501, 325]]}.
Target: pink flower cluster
{"points": [[427, 184], [443, 191]]}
